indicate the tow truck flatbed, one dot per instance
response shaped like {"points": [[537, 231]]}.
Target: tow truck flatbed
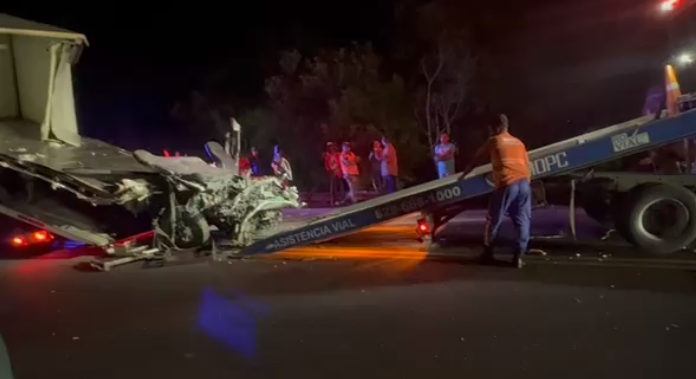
{"points": [[587, 150]]}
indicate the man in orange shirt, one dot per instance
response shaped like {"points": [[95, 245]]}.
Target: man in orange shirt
{"points": [[512, 195]]}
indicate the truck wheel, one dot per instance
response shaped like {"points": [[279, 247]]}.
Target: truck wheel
{"points": [[191, 230], [658, 219]]}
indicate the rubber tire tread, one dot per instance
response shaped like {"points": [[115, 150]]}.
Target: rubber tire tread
{"points": [[629, 226]]}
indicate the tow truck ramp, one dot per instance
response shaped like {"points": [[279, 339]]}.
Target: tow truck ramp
{"points": [[607, 144]]}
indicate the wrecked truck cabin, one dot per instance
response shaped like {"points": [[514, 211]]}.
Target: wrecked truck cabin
{"points": [[90, 191], [52, 177]]}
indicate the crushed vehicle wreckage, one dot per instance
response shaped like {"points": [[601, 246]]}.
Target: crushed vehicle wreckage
{"points": [[89, 191], [238, 207]]}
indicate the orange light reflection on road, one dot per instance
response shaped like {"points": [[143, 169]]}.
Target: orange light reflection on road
{"points": [[354, 253], [369, 250], [391, 261]]}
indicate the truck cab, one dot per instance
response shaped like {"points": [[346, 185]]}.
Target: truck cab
{"points": [[51, 176]]}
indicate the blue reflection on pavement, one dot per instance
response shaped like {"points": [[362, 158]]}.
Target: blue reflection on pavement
{"points": [[230, 322]]}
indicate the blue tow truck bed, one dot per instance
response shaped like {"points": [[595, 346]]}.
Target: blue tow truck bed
{"points": [[578, 153]]}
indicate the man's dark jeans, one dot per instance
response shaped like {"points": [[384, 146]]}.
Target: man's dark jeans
{"points": [[390, 183], [336, 188]]}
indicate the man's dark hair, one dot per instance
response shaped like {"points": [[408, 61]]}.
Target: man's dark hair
{"points": [[494, 122]]}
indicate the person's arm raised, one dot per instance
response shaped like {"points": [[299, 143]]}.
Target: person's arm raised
{"points": [[481, 153]]}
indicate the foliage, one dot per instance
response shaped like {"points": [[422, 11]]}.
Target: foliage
{"points": [[259, 128], [448, 69], [337, 95], [204, 118], [427, 86], [453, 78]]}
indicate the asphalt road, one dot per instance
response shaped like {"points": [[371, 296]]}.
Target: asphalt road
{"points": [[306, 315], [347, 319]]}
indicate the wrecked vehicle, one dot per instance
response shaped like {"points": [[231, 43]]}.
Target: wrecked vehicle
{"points": [[86, 190]]}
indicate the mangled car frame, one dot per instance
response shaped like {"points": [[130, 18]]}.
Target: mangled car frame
{"points": [[87, 190]]}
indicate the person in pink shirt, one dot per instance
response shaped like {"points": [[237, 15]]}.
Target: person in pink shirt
{"points": [[351, 172]]}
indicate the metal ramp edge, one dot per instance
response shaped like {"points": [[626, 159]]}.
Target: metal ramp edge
{"points": [[70, 232], [585, 153]]}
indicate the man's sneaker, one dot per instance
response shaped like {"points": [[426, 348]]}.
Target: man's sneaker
{"points": [[517, 262]]}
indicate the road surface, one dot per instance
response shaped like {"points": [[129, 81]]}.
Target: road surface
{"points": [[296, 316], [347, 319]]}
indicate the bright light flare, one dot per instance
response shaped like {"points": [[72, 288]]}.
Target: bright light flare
{"points": [[18, 241], [423, 229], [668, 5], [39, 237], [685, 59]]}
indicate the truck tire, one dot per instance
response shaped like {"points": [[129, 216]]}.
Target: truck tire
{"points": [[192, 231], [658, 218]]}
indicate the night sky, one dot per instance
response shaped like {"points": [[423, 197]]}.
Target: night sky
{"points": [[142, 59], [584, 62]]}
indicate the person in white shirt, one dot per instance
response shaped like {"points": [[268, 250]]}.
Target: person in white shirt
{"points": [[281, 166], [444, 156], [390, 165]]}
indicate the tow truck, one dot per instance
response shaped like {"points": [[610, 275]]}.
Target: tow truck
{"points": [[655, 212], [86, 190]]}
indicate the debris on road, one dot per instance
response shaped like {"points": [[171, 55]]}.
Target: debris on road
{"points": [[537, 252]]}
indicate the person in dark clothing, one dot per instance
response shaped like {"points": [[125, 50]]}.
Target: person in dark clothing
{"points": [[376, 167], [255, 162]]}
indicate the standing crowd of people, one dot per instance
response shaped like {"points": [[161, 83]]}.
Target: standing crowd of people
{"points": [[343, 169]]}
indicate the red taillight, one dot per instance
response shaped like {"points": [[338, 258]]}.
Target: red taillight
{"points": [[41, 236], [18, 241], [36, 238], [423, 228]]}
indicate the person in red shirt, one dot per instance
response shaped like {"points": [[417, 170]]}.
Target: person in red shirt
{"points": [[244, 166], [513, 194]]}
